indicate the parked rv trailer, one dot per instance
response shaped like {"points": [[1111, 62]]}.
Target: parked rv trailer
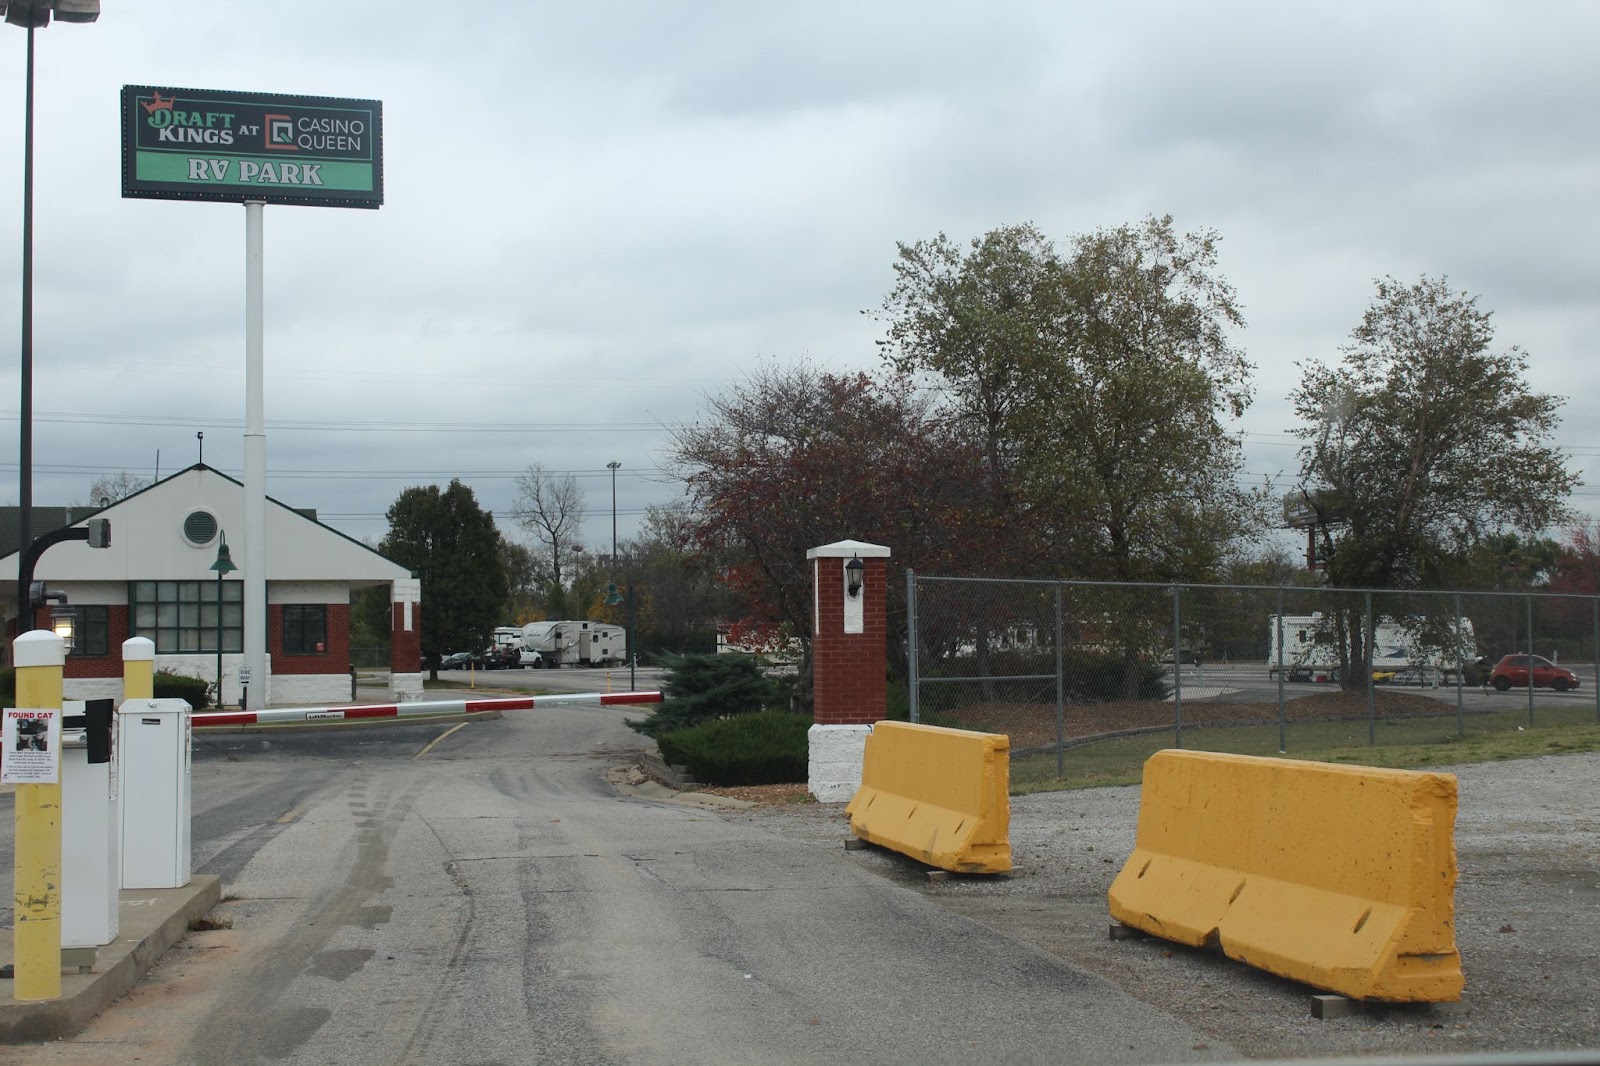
{"points": [[570, 642], [1310, 645]]}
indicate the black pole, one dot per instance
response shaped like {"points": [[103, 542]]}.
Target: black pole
{"points": [[28, 560], [219, 640], [25, 454], [633, 648]]}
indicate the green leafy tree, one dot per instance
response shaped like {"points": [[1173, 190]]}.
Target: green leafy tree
{"points": [[1102, 382], [522, 579], [453, 544], [1421, 444]]}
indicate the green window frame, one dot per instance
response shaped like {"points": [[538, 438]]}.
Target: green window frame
{"points": [[183, 616]]}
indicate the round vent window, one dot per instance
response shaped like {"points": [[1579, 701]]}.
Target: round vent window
{"points": [[200, 528]]}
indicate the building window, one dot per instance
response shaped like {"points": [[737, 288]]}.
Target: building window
{"points": [[92, 631], [181, 616], [305, 628]]}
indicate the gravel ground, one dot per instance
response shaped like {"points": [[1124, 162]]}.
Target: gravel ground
{"points": [[1527, 917]]}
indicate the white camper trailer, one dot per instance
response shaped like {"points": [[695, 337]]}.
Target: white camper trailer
{"points": [[1310, 646], [569, 642], [556, 642], [600, 644]]}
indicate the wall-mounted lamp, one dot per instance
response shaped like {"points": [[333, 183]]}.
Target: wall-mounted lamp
{"points": [[63, 621], [853, 571]]}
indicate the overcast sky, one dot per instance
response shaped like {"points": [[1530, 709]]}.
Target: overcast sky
{"points": [[596, 214]]}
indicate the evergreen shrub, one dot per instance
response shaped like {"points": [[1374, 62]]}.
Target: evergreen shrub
{"points": [[702, 688], [763, 748], [195, 690]]}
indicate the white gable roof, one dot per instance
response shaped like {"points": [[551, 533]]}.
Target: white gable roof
{"points": [[148, 542]]}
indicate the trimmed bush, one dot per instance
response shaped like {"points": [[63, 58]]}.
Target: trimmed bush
{"points": [[702, 688], [169, 685], [765, 748]]}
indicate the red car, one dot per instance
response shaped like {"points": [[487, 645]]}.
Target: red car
{"points": [[1512, 671]]}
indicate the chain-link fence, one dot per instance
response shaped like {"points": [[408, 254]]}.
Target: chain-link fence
{"points": [[1060, 665]]}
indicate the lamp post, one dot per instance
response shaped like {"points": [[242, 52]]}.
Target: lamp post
{"points": [[613, 598], [31, 15], [223, 565], [612, 466]]}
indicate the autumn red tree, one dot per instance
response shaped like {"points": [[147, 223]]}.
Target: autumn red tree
{"points": [[793, 457], [1577, 569]]}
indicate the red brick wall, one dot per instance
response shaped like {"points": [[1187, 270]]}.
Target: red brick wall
{"points": [[850, 671], [108, 665], [405, 648], [335, 659]]}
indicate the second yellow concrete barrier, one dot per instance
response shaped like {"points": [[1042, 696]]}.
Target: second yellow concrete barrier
{"points": [[1342, 877], [938, 795]]}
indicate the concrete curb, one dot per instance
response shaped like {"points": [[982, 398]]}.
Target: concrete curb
{"points": [[635, 783], [150, 921]]}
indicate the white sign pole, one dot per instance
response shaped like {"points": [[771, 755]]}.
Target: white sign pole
{"points": [[255, 456]]}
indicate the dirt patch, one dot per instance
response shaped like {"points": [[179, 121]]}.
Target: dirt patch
{"points": [[1033, 725], [763, 795]]}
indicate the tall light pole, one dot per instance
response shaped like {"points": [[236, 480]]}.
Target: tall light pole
{"points": [[31, 15], [612, 466], [613, 597]]}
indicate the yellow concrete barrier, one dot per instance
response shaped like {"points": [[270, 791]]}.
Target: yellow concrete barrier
{"points": [[1342, 877], [938, 795]]}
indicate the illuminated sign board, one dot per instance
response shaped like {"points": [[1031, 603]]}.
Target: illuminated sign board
{"points": [[203, 144]]}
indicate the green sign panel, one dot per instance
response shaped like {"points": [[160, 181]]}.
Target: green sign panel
{"points": [[201, 144]]}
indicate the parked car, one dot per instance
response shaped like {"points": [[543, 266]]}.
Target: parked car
{"points": [[460, 660], [1512, 672]]}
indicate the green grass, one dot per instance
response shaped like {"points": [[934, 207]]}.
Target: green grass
{"points": [[1403, 743]]}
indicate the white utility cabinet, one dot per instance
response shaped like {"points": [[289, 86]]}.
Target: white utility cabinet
{"points": [[91, 827], [153, 757]]}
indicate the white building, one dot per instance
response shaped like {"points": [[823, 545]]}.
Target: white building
{"points": [[156, 581]]}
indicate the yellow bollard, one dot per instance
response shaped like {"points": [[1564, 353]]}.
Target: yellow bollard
{"points": [[138, 669], [40, 657]]}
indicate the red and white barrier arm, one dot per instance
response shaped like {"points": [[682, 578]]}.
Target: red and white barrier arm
{"points": [[357, 712]]}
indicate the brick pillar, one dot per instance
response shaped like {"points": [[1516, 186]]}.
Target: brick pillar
{"points": [[849, 663]]}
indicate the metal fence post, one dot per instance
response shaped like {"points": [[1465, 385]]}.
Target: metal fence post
{"points": [[1177, 666], [912, 696], [1595, 605], [1283, 740], [1461, 665], [1061, 690], [1366, 671], [1529, 601]]}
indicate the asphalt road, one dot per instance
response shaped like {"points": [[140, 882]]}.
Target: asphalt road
{"points": [[484, 895], [1249, 683], [565, 679]]}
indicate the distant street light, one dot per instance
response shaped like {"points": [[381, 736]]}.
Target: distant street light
{"points": [[612, 466], [31, 15]]}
